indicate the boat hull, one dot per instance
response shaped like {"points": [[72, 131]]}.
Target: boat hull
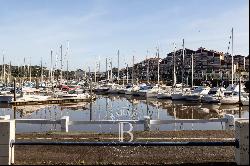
{"points": [[210, 99], [6, 98], [229, 101], [163, 96], [177, 96], [192, 97]]}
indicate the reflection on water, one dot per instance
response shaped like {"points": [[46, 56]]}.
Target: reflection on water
{"points": [[114, 107]]}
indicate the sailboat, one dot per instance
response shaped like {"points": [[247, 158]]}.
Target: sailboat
{"points": [[177, 93], [165, 93], [153, 92], [234, 93]]}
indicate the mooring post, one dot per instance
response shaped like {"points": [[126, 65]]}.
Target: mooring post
{"points": [[7, 136], [229, 124], [242, 136], [65, 124], [146, 123]]}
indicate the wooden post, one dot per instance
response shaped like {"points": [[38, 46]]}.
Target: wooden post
{"points": [[7, 135], [242, 136]]}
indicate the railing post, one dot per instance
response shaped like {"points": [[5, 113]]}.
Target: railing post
{"points": [[65, 124], [146, 123], [242, 136], [229, 124], [7, 135]]}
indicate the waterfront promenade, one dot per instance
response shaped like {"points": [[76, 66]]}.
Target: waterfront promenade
{"points": [[126, 155]]}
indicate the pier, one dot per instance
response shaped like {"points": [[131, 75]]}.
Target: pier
{"points": [[51, 101]]}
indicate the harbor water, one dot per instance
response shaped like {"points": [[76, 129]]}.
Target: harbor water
{"points": [[122, 107]]}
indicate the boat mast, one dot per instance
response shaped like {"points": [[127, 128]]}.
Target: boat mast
{"points": [[123, 75], [118, 78], [30, 69], [61, 66], [182, 73], [192, 63], [67, 58], [3, 70], [99, 64], [232, 60], [95, 71], [127, 73], [9, 74], [23, 77], [174, 74], [158, 66], [133, 70], [147, 67], [51, 65], [41, 70], [106, 69], [111, 72], [56, 65]]}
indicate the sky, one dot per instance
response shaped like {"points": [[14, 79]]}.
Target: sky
{"points": [[94, 30]]}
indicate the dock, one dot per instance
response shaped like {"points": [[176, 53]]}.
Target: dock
{"points": [[52, 101]]}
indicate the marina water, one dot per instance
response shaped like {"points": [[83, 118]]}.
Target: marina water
{"points": [[122, 107]]}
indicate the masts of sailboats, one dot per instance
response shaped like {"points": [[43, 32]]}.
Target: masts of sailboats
{"points": [[147, 67], [232, 59], [95, 71], [61, 66], [106, 69], [127, 74], [182, 72], [51, 65], [158, 66], [30, 70], [111, 70], [174, 72], [133, 70], [192, 64], [41, 70], [118, 54], [3, 69], [67, 66], [24, 66], [9, 73], [67, 60], [56, 65]]}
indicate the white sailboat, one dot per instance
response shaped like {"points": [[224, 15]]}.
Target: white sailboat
{"points": [[177, 94], [197, 93], [234, 93], [153, 92], [245, 101], [214, 95], [165, 93]]}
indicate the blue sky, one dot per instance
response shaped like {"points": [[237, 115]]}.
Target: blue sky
{"points": [[96, 29]]}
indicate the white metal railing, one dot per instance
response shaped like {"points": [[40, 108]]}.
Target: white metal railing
{"points": [[229, 121]]}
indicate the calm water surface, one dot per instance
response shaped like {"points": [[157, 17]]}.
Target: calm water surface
{"points": [[124, 107]]}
